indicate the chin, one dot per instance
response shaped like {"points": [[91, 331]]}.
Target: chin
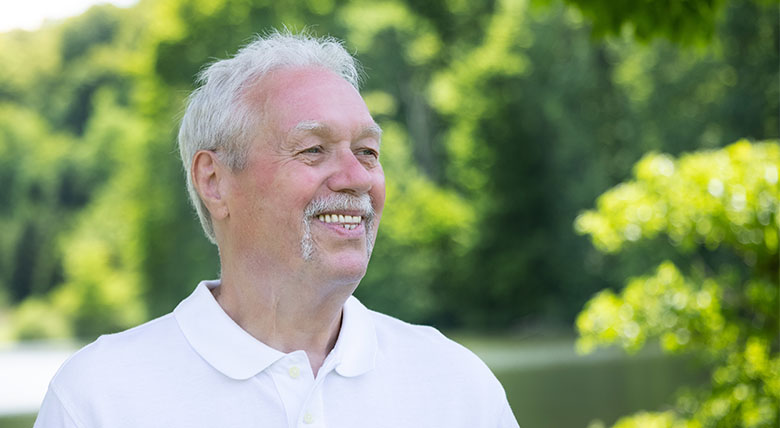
{"points": [[348, 270]]}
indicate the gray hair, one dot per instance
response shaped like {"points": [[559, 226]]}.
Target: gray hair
{"points": [[218, 116]]}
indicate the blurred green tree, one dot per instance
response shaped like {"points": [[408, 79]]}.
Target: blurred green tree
{"points": [[502, 122], [721, 210], [537, 119], [689, 22]]}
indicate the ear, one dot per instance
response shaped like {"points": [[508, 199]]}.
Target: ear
{"points": [[208, 175]]}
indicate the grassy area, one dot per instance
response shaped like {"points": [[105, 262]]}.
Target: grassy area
{"points": [[24, 421]]}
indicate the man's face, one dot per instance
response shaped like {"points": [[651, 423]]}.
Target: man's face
{"points": [[312, 178]]}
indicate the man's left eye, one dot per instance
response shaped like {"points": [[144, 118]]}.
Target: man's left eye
{"points": [[368, 152]]}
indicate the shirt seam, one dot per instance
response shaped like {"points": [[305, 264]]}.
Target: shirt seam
{"points": [[66, 406]]}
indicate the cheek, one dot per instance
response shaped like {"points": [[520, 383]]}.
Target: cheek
{"points": [[294, 189], [378, 192]]}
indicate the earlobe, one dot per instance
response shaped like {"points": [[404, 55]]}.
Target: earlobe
{"points": [[207, 173]]}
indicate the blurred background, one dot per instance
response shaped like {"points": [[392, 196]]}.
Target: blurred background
{"points": [[584, 192]]}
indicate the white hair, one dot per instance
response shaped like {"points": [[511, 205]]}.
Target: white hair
{"points": [[220, 118]]}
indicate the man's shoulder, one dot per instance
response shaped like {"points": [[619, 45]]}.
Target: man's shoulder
{"points": [[394, 329], [120, 354], [409, 353], [425, 345]]}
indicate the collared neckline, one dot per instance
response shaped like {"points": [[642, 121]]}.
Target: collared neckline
{"points": [[237, 354], [218, 339], [356, 346]]}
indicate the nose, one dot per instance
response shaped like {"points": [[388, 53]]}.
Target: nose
{"points": [[349, 175]]}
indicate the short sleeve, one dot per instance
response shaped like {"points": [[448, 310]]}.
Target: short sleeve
{"points": [[53, 413], [507, 419]]}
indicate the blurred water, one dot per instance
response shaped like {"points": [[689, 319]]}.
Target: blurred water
{"points": [[550, 386]]}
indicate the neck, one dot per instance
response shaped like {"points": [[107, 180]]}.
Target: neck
{"points": [[287, 314]]}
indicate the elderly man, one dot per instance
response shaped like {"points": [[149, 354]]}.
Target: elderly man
{"points": [[282, 162]]}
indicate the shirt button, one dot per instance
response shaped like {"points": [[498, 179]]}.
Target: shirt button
{"points": [[294, 372], [308, 418]]}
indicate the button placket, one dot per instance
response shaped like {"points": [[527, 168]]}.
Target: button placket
{"points": [[294, 372], [313, 412], [293, 383]]}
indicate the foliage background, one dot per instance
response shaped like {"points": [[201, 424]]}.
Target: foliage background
{"points": [[720, 208], [504, 120]]}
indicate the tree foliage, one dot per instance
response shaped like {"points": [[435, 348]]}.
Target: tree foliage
{"points": [[502, 122], [686, 21], [726, 312]]}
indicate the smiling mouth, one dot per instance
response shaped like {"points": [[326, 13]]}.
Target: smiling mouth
{"points": [[349, 222]]}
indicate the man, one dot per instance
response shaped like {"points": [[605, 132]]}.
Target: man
{"points": [[282, 162]]}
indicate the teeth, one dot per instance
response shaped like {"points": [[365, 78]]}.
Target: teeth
{"points": [[348, 221]]}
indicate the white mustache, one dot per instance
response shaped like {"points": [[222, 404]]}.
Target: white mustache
{"points": [[342, 202], [338, 202]]}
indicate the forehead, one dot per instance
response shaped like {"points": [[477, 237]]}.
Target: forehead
{"points": [[291, 97]]}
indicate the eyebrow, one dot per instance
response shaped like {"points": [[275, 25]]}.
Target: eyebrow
{"points": [[323, 130]]}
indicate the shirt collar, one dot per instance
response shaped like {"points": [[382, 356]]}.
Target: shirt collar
{"points": [[356, 346], [234, 352], [218, 339]]}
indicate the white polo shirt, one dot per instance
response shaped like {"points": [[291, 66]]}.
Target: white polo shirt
{"points": [[196, 367]]}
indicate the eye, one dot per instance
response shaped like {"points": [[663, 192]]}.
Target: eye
{"points": [[368, 152], [313, 150]]}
